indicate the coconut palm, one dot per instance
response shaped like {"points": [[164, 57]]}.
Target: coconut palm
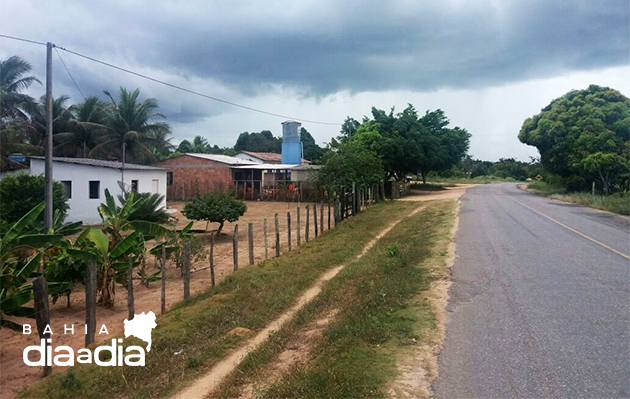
{"points": [[85, 129], [133, 125], [61, 117], [13, 80]]}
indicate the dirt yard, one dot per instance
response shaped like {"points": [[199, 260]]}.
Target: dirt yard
{"points": [[15, 375]]}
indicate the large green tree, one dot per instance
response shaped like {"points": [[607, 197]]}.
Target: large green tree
{"points": [[351, 162], [85, 129], [258, 142], [311, 150], [583, 136]]}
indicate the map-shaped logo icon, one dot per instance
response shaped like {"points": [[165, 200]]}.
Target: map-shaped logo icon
{"points": [[141, 327]]}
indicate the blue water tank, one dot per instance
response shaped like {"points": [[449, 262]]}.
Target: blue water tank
{"points": [[291, 143]]}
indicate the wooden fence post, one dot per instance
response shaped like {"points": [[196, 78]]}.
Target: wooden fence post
{"points": [[337, 210], [90, 302], [354, 199], [308, 218], [212, 260], [277, 236], [130, 302], [299, 239], [315, 219], [265, 238], [235, 247], [321, 217], [42, 316], [328, 214], [250, 241], [289, 230], [186, 268], [163, 275]]}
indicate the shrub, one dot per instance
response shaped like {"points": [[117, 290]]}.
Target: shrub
{"points": [[22, 192], [215, 207], [151, 209]]}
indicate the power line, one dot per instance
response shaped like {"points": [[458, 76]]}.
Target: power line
{"points": [[69, 74], [22, 40], [194, 92], [171, 85]]}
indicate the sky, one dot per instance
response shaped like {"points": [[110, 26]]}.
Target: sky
{"points": [[489, 64]]}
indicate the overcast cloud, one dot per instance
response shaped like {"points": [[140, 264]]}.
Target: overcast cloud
{"points": [[488, 63]]}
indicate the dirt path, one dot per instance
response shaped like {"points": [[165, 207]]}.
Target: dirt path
{"points": [[15, 375], [449, 193], [209, 382]]}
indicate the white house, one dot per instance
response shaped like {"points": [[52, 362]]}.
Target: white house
{"points": [[85, 181]]}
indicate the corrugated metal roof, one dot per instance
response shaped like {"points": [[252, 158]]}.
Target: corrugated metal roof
{"points": [[269, 156], [222, 158], [263, 166], [101, 163]]}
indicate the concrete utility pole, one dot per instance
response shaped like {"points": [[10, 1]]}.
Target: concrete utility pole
{"points": [[48, 168]]}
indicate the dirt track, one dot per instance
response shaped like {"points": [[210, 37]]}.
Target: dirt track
{"points": [[15, 375]]}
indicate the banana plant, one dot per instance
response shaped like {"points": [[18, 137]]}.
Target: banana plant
{"points": [[20, 256]]}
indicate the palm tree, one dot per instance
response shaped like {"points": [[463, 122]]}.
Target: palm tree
{"points": [[61, 117], [133, 125], [85, 129], [12, 82], [200, 144], [14, 126]]}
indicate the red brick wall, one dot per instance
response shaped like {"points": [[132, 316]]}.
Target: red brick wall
{"points": [[191, 173]]}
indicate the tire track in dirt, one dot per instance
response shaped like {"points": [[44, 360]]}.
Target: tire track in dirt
{"points": [[211, 380]]}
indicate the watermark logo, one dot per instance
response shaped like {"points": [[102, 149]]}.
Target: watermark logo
{"points": [[141, 327]]}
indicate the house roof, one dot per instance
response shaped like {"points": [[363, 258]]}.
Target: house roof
{"points": [[101, 163], [268, 166], [268, 156], [221, 158]]}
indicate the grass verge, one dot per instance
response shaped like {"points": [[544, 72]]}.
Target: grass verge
{"points": [[380, 313], [194, 335], [616, 203]]}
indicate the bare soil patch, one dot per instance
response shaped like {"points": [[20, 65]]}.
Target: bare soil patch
{"points": [[15, 375], [429, 195]]}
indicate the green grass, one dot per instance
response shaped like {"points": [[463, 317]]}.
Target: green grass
{"points": [[198, 328], [616, 203], [380, 316]]}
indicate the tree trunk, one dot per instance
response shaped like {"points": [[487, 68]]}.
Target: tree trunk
{"points": [[68, 299], [424, 177], [220, 227]]}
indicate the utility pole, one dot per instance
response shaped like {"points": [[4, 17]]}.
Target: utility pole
{"points": [[48, 168]]}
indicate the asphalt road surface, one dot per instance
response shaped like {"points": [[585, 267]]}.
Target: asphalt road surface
{"points": [[540, 301]]}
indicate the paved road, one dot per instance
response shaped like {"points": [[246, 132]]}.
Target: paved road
{"points": [[537, 309]]}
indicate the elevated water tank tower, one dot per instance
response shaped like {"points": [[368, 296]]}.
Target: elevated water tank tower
{"points": [[291, 143]]}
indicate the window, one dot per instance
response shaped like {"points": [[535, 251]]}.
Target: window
{"points": [[95, 189], [134, 186], [169, 178], [155, 186], [67, 188]]}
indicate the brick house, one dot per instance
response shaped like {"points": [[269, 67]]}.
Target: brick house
{"points": [[190, 172]]}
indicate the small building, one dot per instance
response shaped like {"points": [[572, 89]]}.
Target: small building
{"points": [[192, 172], [265, 157], [85, 181]]}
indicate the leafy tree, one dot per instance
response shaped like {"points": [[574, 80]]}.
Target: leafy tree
{"points": [[351, 163], [217, 207], [583, 136], [349, 127], [22, 192], [133, 123], [200, 145], [185, 146], [258, 142], [311, 150]]}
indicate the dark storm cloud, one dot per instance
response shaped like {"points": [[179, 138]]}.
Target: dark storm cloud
{"points": [[322, 47]]}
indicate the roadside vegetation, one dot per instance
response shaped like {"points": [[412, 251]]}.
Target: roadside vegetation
{"points": [[196, 333], [617, 203], [377, 312]]}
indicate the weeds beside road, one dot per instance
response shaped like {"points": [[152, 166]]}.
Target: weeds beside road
{"points": [[616, 203]]}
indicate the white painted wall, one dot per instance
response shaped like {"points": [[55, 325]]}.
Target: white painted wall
{"points": [[82, 207]]}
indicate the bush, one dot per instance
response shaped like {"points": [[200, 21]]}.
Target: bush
{"points": [[216, 207], [22, 192], [150, 211]]}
